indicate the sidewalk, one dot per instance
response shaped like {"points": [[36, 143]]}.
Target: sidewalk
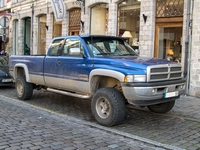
{"points": [[26, 128], [180, 127], [187, 107]]}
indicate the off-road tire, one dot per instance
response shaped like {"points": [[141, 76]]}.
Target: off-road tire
{"points": [[162, 108], [108, 106], [23, 88]]}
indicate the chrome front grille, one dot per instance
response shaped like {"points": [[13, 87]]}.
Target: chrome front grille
{"points": [[164, 72]]}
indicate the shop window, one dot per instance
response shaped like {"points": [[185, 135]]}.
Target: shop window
{"points": [[128, 21], [99, 19], [169, 26], [169, 43], [169, 8], [42, 35], [57, 28]]}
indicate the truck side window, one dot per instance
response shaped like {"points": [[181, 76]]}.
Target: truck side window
{"points": [[72, 43], [56, 47]]}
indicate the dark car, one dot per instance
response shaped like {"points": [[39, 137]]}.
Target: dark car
{"points": [[5, 78]]}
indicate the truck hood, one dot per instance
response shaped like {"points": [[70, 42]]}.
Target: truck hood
{"points": [[129, 62]]}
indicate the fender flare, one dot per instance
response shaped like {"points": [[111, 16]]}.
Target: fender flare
{"points": [[25, 70], [106, 72]]}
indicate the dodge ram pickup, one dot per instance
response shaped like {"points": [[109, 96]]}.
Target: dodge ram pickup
{"points": [[104, 69]]}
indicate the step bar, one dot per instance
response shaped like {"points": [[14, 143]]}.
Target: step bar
{"points": [[69, 93]]}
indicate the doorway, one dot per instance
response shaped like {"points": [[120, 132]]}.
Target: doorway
{"points": [[27, 35], [168, 43]]}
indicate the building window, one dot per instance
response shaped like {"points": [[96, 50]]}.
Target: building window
{"points": [[74, 21], [169, 26], [42, 35], [57, 28], [129, 20], [169, 8], [99, 19]]}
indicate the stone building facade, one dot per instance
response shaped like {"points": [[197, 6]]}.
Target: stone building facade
{"points": [[159, 28], [194, 50]]}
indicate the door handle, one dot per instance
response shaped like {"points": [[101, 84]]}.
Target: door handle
{"points": [[59, 62]]}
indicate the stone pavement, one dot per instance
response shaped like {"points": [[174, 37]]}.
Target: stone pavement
{"points": [[178, 129], [23, 127]]}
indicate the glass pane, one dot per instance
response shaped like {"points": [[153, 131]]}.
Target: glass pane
{"points": [[129, 20], [99, 19], [42, 35], [169, 44], [169, 8]]}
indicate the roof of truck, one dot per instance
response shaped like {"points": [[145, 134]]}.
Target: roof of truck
{"points": [[88, 36]]}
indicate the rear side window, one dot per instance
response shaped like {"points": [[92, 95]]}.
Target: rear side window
{"points": [[56, 47]]}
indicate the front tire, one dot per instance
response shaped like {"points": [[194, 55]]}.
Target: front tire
{"points": [[108, 107], [23, 88], [162, 108]]}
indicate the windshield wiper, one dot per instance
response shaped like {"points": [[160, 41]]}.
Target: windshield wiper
{"points": [[128, 55], [103, 53]]}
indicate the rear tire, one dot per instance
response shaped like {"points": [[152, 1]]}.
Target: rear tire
{"points": [[162, 108], [108, 107], [23, 88]]}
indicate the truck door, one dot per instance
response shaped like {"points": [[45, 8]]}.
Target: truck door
{"points": [[50, 64], [73, 70]]}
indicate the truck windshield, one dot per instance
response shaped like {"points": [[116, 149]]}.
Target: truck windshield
{"points": [[109, 46]]}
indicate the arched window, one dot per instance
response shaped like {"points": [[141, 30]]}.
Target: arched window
{"points": [[99, 19], [74, 21]]}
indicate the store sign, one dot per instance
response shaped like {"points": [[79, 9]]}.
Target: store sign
{"points": [[58, 9]]}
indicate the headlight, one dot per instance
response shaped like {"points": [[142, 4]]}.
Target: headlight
{"points": [[135, 78]]}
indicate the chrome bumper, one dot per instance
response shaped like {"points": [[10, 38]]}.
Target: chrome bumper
{"points": [[153, 93]]}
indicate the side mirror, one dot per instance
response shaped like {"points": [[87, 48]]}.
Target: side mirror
{"points": [[74, 51]]}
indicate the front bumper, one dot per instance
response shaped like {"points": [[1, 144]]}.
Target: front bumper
{"points": [[6, 82], [153, 93]]}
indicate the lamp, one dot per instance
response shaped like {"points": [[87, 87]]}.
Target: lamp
{"points": [[170, 52], [47, 27], [83, 4], [127, 35], [82, 25], [145, 18]]}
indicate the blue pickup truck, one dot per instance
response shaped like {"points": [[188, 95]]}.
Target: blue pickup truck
{"points": [[104, 69]]}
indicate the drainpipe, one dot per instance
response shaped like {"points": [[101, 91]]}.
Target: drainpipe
{"points": [[32, 20], [187, 48]]}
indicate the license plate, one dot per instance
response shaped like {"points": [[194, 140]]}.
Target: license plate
{"points": [[170, 94], [7, 80]]}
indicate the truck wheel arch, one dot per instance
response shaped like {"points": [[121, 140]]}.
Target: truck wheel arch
{"points": [[20, 70], [99, 77]]}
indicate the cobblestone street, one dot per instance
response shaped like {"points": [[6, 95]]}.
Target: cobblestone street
{"points": [[68, 119]]}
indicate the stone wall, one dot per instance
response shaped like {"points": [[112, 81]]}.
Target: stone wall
{"points": [[194, 86], [147, 30]]}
